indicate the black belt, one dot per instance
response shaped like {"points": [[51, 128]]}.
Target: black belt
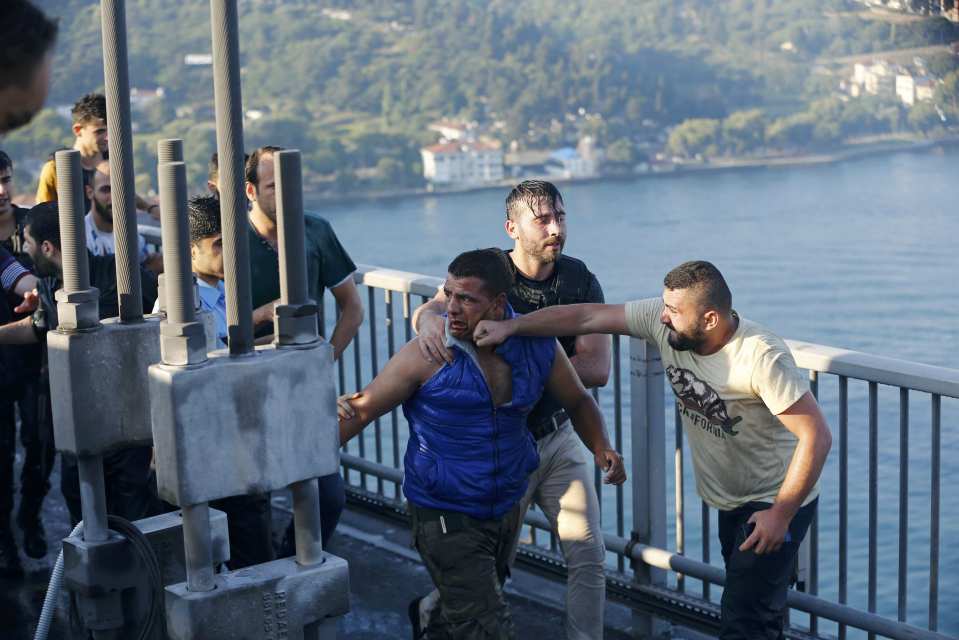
{"points": [[548, 425]]}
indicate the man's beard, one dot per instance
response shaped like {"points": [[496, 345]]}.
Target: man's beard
{"points": [[541, 252], [43, 266], [684, 342], [268, 207], [105, 211]]}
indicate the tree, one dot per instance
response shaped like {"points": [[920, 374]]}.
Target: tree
{"points": [[621, 152], [744, 131], [924, 117], [698, 136], [947, 93]]}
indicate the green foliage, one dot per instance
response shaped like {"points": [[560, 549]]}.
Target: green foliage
{"points": [[350, 93], [698, 136]]}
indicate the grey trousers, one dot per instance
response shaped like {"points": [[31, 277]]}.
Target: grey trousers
{"points": [[564, 488]]}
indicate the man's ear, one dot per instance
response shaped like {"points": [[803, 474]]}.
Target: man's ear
{"points": [[250, 192], [47, 248], [710, 319], [77, 128], [511, 229], [88, 190]]}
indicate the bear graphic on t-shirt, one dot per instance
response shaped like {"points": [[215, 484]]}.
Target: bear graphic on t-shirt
{"points": [[698, 396]]}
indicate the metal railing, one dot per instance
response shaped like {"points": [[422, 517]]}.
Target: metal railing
{"points": [[855, 601], [851, 598]]}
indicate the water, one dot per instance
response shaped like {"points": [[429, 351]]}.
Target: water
{"points": [[860, 255]]}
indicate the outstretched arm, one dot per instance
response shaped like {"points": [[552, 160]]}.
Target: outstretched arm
{"points": [[430, 326], [562, 320], [586, 417], [806, 422], [19, 332], [398, 380]]}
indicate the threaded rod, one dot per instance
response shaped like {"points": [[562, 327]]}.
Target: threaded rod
{"points": [[123, 187], [169, 150], [73, 237], [229, 143], [178, 280], [291, 240]]}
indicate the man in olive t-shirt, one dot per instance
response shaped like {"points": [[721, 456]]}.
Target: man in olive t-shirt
{"points": [[758, 438]]}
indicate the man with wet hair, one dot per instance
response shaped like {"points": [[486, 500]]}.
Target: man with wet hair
{"points": [[28, 37], [89, 116], [563, 486], [470, 452], [758, 438]]}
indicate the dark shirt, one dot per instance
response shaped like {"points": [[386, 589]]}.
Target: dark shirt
{"points": [[327, 262], [570, 283], [103, 276], [17, 362]]}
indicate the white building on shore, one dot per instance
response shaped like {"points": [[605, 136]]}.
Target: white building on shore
{"points": [[462, 163]]}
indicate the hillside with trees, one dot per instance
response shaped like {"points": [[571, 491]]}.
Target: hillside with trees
{"points": [[353, 83]]}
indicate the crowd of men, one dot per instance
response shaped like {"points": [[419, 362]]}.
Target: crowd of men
{"points": [[498, 409]]}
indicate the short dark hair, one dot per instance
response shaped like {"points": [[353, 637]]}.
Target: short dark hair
{"points": [[204, 217], [44, 223], [707, 278], [27, 35], [90, 107], [531, 193], [214, 174], [253, 161], [489, 265], [6, 164]]}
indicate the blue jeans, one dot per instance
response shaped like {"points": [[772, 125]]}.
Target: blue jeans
{"points": [[332, 501]]}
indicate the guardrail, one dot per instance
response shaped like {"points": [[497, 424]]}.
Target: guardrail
{"points": [[642, 570]]}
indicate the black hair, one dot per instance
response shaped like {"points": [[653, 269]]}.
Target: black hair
{"points": [[27, 35], [707, 278], [489, 265], [204, 217], [44, 223], [253, 162], [90, 107], [6, 164], [531, 193], [214, 174]]}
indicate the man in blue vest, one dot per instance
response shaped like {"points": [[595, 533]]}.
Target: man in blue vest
{"points": [[470, 454]]}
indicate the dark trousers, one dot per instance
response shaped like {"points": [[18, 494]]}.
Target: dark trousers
{"points": [[754, 599], [127, 479], [36, 436], [249, 522], [468, 560]]}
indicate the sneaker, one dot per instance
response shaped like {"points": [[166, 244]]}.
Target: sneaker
{"points": [[10, 566]]}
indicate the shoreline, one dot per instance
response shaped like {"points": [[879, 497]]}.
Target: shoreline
{"points": [[841, 154]]}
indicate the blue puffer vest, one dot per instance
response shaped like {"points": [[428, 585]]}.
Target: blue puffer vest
{"points": [[465, 455]]}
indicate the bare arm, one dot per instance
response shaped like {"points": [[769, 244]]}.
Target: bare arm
{"points": [[398, 380], [564, 385], [25, 285], [591, 360], [430, 326], [264, 313], [351, 315], [561, 320], [19, 332], [804, 420]]}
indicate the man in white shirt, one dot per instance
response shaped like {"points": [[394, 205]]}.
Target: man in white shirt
{"points": [[99, 221], [758, 438]]}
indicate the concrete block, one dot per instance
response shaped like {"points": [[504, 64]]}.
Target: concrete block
{"points": [[265, 602], [165, 533], [99, 385], [247, 424]]}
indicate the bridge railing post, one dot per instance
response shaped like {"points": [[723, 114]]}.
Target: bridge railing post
{"points": [[647, 470]]}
